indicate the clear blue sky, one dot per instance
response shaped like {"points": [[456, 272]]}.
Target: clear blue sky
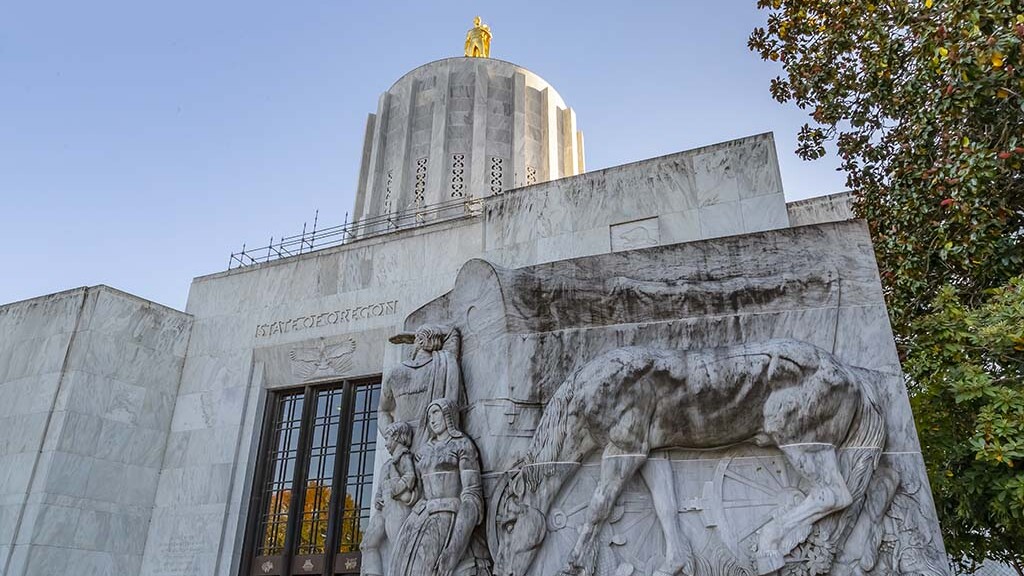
{"points": [[142, 142]]}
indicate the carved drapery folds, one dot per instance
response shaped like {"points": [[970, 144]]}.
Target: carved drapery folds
{"points": [[654, 423]]}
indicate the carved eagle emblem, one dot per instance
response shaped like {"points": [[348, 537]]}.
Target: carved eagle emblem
{"points": [[323, 360]]}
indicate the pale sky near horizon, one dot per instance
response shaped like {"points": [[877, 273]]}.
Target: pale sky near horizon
{"points": [[141, 143]]}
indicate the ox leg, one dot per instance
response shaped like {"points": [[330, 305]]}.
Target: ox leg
{"points": [[819, 464], [616, 470], [657, 473]]}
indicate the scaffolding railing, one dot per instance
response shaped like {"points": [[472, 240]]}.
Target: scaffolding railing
{"points": [[319, 238]]}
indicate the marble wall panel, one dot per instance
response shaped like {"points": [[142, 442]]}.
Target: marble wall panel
{"points": [[821, 209], [138, 321], [223, 293], [42, 560], [28, 395], [219, 335], [175, 449], [15, 473], [54, 524], [21, 432], [8, 521], [650, 189], [735, 170], [676, 227], [194, 485], [41, 317], [76, 433], [68, 474], [210, 446], [577, 243], [514, 255], [720, 219], [765, 212], [291, 281], [110, 357], [23, 358], [192, 412], [183, 540], [865, 332], [139, 488], [204, 371]]}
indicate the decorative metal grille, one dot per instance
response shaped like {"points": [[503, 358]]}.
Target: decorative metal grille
{"points": [[496, 175], [531, 175], [420, 186], [387, 192], [458, 172]]}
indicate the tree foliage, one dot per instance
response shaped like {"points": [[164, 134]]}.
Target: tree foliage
{"points": [[924, 102], [314, 519]]}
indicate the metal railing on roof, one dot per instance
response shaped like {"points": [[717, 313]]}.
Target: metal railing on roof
{"points": [[320, 238]]}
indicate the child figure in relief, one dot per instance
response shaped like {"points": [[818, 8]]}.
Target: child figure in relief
{"points": [[397, 492]]}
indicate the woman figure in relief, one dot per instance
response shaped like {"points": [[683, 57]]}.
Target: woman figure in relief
{"points": [[439, 538]]}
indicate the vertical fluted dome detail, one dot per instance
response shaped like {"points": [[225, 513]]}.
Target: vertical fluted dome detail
{"points": [[464, 128]]}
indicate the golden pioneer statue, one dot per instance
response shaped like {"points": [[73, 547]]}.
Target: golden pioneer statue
{"points": [[478, 40]]}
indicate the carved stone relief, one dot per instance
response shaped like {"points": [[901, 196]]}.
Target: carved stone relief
{"points": [[430, 373], [759, 457], [633, 235], [624, 404], [430, 500], [309, 363]]}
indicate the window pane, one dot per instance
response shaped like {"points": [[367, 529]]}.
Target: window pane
{"points": [[277, 493], [320, 472], [359, 483]]}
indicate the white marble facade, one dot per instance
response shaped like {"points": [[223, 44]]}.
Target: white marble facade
{"points": [[128, 431], [88, 383], [135, 459]]}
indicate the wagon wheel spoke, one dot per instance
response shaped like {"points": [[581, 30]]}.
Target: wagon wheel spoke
{"points": [[754, 527], [750, 483]]}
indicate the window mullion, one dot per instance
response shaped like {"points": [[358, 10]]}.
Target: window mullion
{"points": [[298, 482], [339, 488]]}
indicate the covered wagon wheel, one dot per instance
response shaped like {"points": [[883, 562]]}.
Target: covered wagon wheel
{"points": [[748, 492]]}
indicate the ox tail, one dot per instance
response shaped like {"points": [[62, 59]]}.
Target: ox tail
{"points": [[860, 451], [858, 456]]}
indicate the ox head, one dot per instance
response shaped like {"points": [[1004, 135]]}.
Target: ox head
{"points": [[522, 513], [521, 526]]}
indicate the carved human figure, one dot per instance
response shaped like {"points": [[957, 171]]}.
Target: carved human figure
{"points": [[397, 491], [440, 536], [431, 373]]}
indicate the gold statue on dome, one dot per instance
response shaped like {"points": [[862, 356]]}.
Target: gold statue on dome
{"points": [[478, 40]]}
